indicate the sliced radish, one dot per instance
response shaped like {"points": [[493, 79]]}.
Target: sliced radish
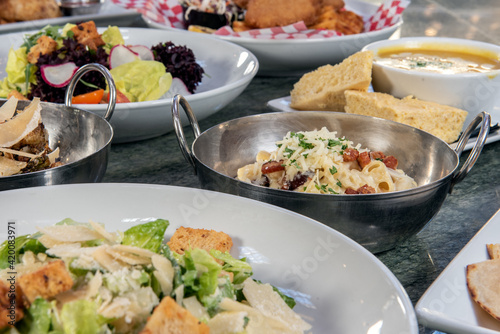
{"points": [[143, 51], [58, 75], [177, 87], [120, 54]]}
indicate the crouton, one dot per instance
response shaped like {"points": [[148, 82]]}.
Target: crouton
{"points": [[189, 238], [86, 33], [11, 305], [17, 95], [493, 251], [46, 282], [171, 318], [44, 45]]}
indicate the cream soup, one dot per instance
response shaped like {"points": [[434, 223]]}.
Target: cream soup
{"points": [[438, 60]]}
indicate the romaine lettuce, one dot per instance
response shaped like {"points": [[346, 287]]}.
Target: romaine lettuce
{"points": [[148, 236]]}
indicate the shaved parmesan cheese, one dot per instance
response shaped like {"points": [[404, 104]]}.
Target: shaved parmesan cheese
{"points": [[70, 250], [134, 250], [106, 261], [197, 309], [8, 109], [54, 155], [263, 298], [70, 233], [128, 258], [21, 153], [164, 273], [227, 322], [10, 167], [22, 124], [105, 234]]}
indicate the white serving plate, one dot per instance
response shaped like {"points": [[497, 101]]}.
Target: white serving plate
{"points": [[297, 56], [447, 305], [229, 68], [109, 13], [283, 104], [338, 285]]}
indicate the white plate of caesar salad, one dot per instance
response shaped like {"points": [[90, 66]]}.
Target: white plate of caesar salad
{"points": [[337, 285]]}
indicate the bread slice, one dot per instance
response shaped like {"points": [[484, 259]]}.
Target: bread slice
{"points": [[186, 238], [493, 251], [323, 88], [171, 318], [484, 286], [442, 121]]}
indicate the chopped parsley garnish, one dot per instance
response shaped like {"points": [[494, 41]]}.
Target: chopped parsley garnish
{"points": [[333, 170], [339, 183], [288, 152], [333, 143], [306, 145], [305, 155]]}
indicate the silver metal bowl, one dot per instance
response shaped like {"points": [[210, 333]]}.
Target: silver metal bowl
{"points": [[83, 138], [80, 7], [377, 221]]}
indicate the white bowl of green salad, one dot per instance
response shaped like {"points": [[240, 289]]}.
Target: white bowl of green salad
{"points": [[209, 72]]}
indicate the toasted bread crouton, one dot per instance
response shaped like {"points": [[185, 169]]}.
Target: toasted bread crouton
{"points": [[44, 45], [17, 95], [86, 33], [494, 251], [11, 305], [171, 318], [186, 238], [46, 282]]}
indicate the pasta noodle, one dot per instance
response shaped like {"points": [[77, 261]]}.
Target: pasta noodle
{"points": [[320, 162]]}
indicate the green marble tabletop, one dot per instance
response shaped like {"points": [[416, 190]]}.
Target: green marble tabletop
{"points": [[419, 260]]}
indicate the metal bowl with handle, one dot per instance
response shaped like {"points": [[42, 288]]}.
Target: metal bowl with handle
{"points": [[83, 138], [379, 221]]}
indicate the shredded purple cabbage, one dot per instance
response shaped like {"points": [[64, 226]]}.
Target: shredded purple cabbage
{"points": [[180, 62]]}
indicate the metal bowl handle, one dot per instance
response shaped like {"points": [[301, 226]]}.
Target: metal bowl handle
{"points": [[485, 120], [181, 138], [111, 84]]}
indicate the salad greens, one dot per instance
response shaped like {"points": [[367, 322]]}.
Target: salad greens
{"points": [[144, 79], [120, 296]]}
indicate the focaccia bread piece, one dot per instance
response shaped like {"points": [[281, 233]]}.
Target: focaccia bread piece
{"points": [[323, 88], [442, 121]]}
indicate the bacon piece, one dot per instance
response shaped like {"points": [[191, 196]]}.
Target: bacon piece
{"points": [[350, 191], [350, 154], [391, 162], [364, 159], [272, 166], [297, 181], [366, 189], [377, 155]]}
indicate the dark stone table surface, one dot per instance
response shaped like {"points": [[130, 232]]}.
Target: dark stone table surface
{"points": [[418, 261]]}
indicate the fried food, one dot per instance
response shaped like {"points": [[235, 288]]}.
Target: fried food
{"points": [[343, 21], [274, 13], [336, 4], [484, 285], [27, 10]]}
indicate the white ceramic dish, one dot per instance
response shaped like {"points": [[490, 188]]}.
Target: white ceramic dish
{"points": [[473, 92], [283, 104], [229, 68], [447, 305], [339, 286], [109, 13], [292, 57]]}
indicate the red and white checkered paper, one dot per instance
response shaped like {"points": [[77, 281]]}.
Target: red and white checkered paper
{"points": [[169, 13]]}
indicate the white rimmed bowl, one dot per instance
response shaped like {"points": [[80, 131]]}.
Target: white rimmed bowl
{"points": [[229, 69], [297, 56], [473, 92]]}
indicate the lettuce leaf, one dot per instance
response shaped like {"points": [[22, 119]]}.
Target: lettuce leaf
{"points": [[241, 269], [142, 80], [80, 316], [148, 236]]}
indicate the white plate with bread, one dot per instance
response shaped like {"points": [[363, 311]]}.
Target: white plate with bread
{"points": [[447, 304], [338, 285], [346, 87]]}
